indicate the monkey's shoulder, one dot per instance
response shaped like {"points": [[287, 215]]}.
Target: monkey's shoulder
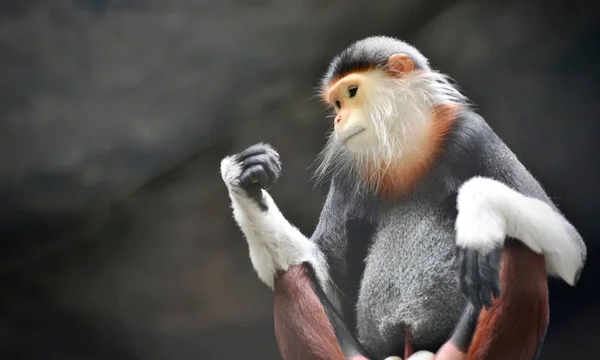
{"points": [[474, 149]]}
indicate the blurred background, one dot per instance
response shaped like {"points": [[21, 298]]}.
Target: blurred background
{"points": [[116, 240]]}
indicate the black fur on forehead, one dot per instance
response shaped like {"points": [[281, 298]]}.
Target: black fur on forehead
{"points": [[371, 52]]}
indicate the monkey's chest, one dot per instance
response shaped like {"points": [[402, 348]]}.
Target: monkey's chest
{"points": [[408, 278]]}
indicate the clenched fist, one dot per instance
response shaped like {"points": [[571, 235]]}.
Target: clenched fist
{"points": [[258, 167]]}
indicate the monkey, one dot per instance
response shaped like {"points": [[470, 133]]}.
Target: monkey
{"points": [[434, 240]]}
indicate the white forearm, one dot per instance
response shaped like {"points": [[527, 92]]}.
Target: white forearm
{"points": [[274, 243], [488, 211]]}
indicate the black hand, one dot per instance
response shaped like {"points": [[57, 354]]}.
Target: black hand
{"points": [[479, 276], [261, 168]]}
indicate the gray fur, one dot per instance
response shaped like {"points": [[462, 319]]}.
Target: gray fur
{"points": [[409, 280], [374, 50], [397, 269], [391, 265], [423, 281]]}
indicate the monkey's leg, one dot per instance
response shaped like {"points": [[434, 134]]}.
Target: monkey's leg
{"points": [[306, 325], [408, 350], [515, 326], [536, 241], [456, 348]]}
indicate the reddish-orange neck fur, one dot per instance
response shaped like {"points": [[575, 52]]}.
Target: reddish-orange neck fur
{"points": [[400, 178]]}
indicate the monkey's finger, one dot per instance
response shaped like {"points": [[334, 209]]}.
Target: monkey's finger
{"points": [[496, 286], [486, 277], [248, 153], [274, 161], [252, 176], [472, 279], [462, 270], [269, 158], [259, 149], [253, 150], [277, 164], [495, 259], [269, 167]]}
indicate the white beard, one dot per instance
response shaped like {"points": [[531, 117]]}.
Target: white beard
{"points": [[400, 112]]}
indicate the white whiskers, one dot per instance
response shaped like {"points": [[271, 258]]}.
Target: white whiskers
{"points": [[399, 110]]}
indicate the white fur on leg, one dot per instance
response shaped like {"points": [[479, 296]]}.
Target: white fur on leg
{"points": [[422, 355], [488, 211], [419, 355], [274, 243]]}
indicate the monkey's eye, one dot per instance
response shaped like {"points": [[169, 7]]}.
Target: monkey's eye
{"points": [[352, 91], [338, 104]]}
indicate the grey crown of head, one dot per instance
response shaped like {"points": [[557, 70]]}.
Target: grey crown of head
{"points": [[371, 51]]}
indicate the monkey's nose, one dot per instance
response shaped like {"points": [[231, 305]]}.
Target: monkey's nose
{"points": [[338, 119]]}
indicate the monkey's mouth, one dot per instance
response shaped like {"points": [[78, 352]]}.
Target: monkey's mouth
{"points": [[351, 133]]}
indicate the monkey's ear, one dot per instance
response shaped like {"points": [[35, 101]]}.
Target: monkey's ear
{"points": [[399, 64]]}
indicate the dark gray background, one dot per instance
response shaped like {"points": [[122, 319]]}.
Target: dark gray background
{"points": [[116, 240]]}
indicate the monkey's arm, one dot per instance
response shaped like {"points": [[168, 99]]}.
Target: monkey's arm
{"points": [[306, 324], [273, 242], [489, 211], [534, 240]]}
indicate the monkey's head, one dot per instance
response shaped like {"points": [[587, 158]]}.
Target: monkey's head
{"points": [[384, 95]]}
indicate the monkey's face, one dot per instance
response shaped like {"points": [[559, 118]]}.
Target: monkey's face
{"points": [[375, 106], [351, 125], [385, 114]]}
